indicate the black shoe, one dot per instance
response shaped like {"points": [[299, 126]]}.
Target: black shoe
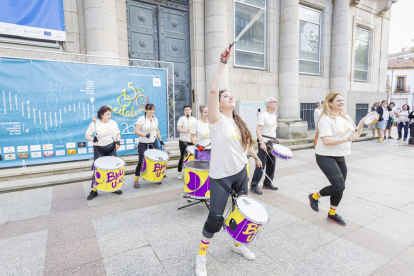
{"points": [[119, 192], [389, 137], [385, 137], [270, 187], [337, 219], [404, 140], [399, 138], [314, 204], [255, 189], [92, 195]]}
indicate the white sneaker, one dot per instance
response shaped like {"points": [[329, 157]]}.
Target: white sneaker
{"points": [[179, 176], [201, 265], [242, 249]]}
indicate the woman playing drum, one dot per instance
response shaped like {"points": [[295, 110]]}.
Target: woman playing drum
{"points": [[107, 136], [147, 130], [184, 125], [200, 134], [230, 139], [336, 133]]}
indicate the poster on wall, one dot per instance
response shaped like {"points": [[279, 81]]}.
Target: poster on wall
{"points": [[46, 107], [39, 19]]}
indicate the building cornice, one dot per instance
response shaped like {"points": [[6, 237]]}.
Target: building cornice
{"points": [[386, 4]]}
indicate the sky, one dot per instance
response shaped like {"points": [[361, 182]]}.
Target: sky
{"points": [[402, 25]]}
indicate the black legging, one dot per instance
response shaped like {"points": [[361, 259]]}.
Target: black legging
{"points": [[218, 200], [142, 147], [183, 146], [334, 168], [268, 162]]}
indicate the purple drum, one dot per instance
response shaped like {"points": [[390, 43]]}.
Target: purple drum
{"points": [[281, 151], [204, 155], [246, 220]]}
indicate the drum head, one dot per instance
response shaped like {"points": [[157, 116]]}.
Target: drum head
{"points": [[198, 165], [156, 155], [371, 117], [282, 150], [191, 149], [109, 163], [252, 209]]}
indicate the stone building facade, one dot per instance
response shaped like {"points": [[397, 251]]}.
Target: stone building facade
{"points": [[342, 46]]}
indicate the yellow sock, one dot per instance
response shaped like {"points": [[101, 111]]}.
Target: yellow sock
{"points": [[94, 189], [380, 139], [203, 248], [316, 196], [136, 178], [237, 244], [332, 211]]}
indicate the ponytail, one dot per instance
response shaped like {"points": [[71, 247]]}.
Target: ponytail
{"points": [[247, 140]]}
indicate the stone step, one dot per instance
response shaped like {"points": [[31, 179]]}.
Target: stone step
{"points": [[65, 178]]}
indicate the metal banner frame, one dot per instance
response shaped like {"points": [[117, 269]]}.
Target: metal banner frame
{"points": [[8, 52]]}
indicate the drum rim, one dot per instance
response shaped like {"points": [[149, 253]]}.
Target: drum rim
{"points": [[201, 170], [94, 164], [287, 156], [145, 156], [262, 223]]}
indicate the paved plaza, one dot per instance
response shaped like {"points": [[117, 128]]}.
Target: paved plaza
{"points": [[56, 231]]}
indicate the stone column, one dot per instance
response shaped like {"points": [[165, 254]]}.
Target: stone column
{"points": [[198, 71], [289, 123], [340, 55], [101, 28], [215, 40]]}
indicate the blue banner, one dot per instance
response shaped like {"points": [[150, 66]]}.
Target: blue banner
{"points": [[46, 107], [42, 19]]}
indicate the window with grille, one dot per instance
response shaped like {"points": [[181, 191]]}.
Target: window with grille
{"points": [[361, 111], [306, 114]]}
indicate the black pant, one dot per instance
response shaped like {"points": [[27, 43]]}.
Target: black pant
{"points": [[218, 200], [268, 162], [335, 170], [183, 146], [142, 147], [101, 151]]}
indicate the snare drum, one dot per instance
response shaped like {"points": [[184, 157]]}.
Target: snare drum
{"points": [[154, 165], [281, 151], [246, 220], [189, 154], [196, 180], [204, 155], [371, 118], [109, 173]]}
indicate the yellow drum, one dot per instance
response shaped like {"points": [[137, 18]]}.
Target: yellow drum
{"points": [[189, 154], [196, 180], [109, 173], [154, 165]]}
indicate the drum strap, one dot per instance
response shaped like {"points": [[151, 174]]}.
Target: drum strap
{"points": [[231, 192], [265, 136]]}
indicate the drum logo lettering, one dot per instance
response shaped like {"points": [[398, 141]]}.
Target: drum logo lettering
{"points": [[115, 178], [159, 169], [251, 230]]}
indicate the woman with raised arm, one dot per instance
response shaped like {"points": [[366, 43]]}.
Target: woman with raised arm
{"points": [[230, 140], [337, 131]]}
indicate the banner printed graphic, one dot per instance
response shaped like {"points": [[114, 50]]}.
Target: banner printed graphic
{"points": [[46, 107]]}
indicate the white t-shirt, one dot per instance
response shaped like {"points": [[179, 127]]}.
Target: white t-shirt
{"points": [[202, 132], [148, 126], [106, 132], [403, 117], [316, 115], [227, 154], [269, 123], [338, 127], [385, 114], [186, 124]]}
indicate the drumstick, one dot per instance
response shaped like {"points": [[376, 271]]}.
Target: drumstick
{"points": [[254, 19], [95, 139], [267, 177]]}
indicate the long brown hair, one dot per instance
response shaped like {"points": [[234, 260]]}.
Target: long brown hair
{"points": [[247, 140]]}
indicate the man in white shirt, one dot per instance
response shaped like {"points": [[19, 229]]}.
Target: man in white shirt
{"points": [[266, 130], [317, 112]]}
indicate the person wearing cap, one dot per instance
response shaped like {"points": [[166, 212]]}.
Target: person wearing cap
{"points": [[265, 131]]}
